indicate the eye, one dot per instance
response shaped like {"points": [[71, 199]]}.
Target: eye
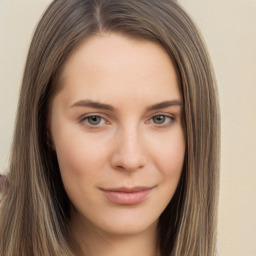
{"points": [[93, 121], [162, 120], [159, 119]]}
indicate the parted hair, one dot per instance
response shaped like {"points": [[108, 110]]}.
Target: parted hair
{"points": [[35, 212]]}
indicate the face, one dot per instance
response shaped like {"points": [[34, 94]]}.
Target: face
{"points": [[116, 128]]}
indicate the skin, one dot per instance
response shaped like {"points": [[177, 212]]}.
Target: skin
{"points": [[128, 143]]}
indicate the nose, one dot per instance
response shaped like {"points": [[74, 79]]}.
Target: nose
{"points": [[129, 153]]}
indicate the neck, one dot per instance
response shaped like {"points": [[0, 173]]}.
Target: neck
{"points": [[93, 241]]}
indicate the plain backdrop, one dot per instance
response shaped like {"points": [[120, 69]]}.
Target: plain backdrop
{"points": [[229, 29]]}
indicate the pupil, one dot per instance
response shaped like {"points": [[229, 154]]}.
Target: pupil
{"points": [[94, 120], [159, 119]]}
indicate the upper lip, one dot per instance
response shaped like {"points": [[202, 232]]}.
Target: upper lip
{"points": [[127, 189]]}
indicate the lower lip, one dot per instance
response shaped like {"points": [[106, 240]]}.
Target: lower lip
{"points": [[127, 198]]}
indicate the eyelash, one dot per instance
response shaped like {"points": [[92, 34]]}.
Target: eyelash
{"points": [[91, 126], [166, 123], [168, 120]]}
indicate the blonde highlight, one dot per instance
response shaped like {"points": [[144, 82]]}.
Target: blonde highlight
{"points": [[34, 215]]}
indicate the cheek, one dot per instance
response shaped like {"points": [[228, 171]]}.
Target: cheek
{"points": [[77, 156], [78, 162], [170, 165], [173, 159], [168, 154]]}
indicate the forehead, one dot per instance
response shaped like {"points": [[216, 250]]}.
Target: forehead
{"points": [[107, 64]]}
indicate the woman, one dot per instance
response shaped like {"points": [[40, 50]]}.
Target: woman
{"points": [[116, 144]]}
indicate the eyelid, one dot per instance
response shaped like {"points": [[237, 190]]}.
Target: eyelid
{"points": [[83, 119], [167, 115], [172, 118]]}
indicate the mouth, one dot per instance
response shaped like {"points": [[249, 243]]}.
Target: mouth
{"points": [[127, 196]]}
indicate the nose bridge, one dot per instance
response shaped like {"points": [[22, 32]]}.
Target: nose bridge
{"points": [[129, 154]]}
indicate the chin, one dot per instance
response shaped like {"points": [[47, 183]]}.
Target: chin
{"points": [[127, 224], [128, 230]]}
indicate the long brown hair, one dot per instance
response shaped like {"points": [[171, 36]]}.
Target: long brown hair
{"points": [[34, 215]]}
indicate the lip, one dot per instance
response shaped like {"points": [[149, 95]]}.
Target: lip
{"points": [[127, 196]]}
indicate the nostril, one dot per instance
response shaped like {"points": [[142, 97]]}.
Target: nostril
{"points": [[125, 163]]}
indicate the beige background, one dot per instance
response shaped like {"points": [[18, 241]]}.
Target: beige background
{"points": [[229, 27]]}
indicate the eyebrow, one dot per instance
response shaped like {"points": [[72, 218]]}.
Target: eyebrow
{"points": [[98, 105], [93, 104], [165, 104]]}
